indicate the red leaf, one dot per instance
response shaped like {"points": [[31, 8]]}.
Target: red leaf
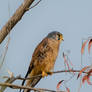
{"points": [[71, 64], [58, 85], [83, 46], [82, 70], [84, 78], [90, 71], [66, 61], [88, 79], [89, 45], [68, 90]]}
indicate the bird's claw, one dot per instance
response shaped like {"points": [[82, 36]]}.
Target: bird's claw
{"points": [[44, 74]]}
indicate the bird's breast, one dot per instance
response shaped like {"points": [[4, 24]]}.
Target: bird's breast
{"points": [[45, 56], [48, 62]]}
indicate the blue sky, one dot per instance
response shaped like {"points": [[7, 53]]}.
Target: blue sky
{"points": [[73, 18]]}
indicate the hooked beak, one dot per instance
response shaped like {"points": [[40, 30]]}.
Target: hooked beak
{"points": [[62, 39]]}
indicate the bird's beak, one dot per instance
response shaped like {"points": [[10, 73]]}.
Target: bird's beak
{"points": [[62, 39]]}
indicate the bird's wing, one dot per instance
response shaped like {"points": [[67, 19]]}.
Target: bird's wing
{"points": [[29, 70], [40, 52], [37, 54]]}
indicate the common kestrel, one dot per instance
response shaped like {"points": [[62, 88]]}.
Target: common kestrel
{"points": [[43, 58]]}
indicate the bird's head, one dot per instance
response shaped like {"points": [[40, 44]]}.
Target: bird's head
{"points": [[56, 36]]}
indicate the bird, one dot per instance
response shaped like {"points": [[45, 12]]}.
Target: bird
{"points": [[43, 58]]}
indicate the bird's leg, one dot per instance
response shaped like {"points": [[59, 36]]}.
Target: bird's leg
{"points": [[44, 74]]}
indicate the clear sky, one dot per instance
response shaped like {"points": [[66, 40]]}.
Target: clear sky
{"points": [[73, 18]]}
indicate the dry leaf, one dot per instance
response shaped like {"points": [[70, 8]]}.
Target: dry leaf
{"points": [[89, 74], [58, 85], [66, 61], [88, 81], [82, 70], [84, 78], [10, 74], [87, 77], [89, 45], [68, 90], [83, 46]]}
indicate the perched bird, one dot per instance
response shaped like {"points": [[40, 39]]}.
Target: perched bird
{"points": [[43, 58]]}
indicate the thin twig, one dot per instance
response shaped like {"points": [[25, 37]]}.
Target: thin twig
{"points": [[25, 87], [5, 52], [14, 19], [12, 79], [62, 71], [35, 4], [55, 72]]}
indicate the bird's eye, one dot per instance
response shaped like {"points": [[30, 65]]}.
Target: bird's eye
{"points": [[58, 36]]}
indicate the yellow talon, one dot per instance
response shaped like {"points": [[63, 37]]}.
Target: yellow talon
{"points": [[44, 74]]}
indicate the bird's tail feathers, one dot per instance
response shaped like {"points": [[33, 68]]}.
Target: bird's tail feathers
{"points": [[29, 70], [32, 83]]}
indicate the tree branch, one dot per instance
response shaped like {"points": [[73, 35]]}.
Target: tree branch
{"points": [[63, 71], [12, 79], [49, 73], [15, 19], [35, 4], [55, 72], [25, 87]]}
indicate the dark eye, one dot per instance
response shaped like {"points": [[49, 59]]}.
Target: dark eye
{"points": [[58, 36]]}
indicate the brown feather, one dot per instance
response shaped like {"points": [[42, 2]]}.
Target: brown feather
{"points": [[43, 59]]}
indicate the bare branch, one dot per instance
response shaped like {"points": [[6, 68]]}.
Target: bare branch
{"points": [[15, 19], [35, 4], [25, 87], [12, 79], [63, 71], [49, 73], [4, 53], [55, 72]]}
